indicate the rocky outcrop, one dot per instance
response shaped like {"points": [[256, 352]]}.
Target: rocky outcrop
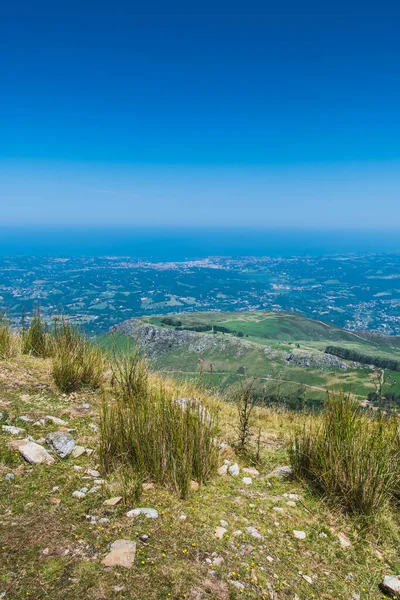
{"points": [[317, 359]]}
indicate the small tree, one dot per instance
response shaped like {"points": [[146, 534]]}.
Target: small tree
{"points": [[246, 401]]}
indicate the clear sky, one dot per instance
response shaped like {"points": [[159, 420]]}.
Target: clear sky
{"points": [[122, 113]]}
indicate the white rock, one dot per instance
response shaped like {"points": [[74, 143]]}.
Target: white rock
{"points": [[247, 480], [299, 535], [92, 473], [13, 430], [308, 579], [270, 559], [94, 489], [234, 470], [94, 427], [224, 523], [122, 554], [39, 423], [254, 532], [55, 420], [237, 533], [291, 503], [237, 584], [344, 540], [78, 494], [278, 509], [281, 472], [149, 513], [25, 419], [32, 452], [220, 532], [217, 561], [183, 517]]}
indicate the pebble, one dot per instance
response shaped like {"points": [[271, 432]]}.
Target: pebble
{"points": [[299, 535], [247, 480], [78, 494], [223, 470], [224, 523], [112, 501], [281, 472], [253, 531], [61, 442], [344, 540], [78, 451], [92, 472], [308, 579], [251, 471], [219, 532], [10, 476], [54, 420]]}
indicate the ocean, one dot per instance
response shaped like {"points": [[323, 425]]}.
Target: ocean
{"points": [[189, 243]]}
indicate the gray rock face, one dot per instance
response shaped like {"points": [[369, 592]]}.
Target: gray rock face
{"points": [[32, 452], [122, 554], [391, 585], [317, 359], [61, 442]]}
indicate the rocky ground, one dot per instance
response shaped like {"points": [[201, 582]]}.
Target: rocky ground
{"points": [[253, 532]]}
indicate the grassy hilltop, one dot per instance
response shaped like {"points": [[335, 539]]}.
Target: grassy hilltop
{"points": [[259, 345]]}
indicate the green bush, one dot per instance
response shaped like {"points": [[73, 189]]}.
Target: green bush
{"points": [[77, 362], [349, 457], [8, 339], [144, 428], [36, 340]]}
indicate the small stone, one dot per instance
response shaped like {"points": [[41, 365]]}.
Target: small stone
{"points": [[112, 501], [10, 476], [94, 489], [220, 532], [291, 503], [183, 517], [144, 538], [78, 451], [223, 470], [89, 451], [253, 531], [278, 509], [61, 442], [270, 559], [122, 554], [32, 452], [344, 540], [94, 427], [234, 470], [281, 472], [85, 405], [98, 481], [224, 523], [194, 485], [54, 420], [77, 468], [247, 480], [291, 496], [13, 430], [308, 579], [238, 585], [251, 471], [55, 501], [217, 562], [92, 473], [78, 494], [39, 423], [147, 486], [104, 520], [299, 535], [25, 419], [237, 533]]}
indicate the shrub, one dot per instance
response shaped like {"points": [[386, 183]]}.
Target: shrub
{"points": [[36, 340], [77, 362], [144, 428], [8, 339], [348, 457], [245, 400]]}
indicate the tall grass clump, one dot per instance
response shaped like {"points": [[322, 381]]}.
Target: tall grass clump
{"points": [[9, 340], [350, 458], [77, 362], [36, 340], [144, 428]]}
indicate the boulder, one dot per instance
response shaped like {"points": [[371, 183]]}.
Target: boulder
{"points": [[149, 513], [122, 554], [281, 472], [61, 442], [32, 452]]}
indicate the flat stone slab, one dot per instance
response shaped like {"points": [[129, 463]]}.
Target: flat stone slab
{"points": [[149, 513], [391, 585], [61, 442], [32, 452], [78, 451], [112, 501], [13, 430], [122, 554], [55, 420]]}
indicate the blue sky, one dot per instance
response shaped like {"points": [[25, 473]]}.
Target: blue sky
{"points": [[124, 114]]}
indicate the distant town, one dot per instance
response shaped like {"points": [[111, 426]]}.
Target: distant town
{"points": [[357, 292]]}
